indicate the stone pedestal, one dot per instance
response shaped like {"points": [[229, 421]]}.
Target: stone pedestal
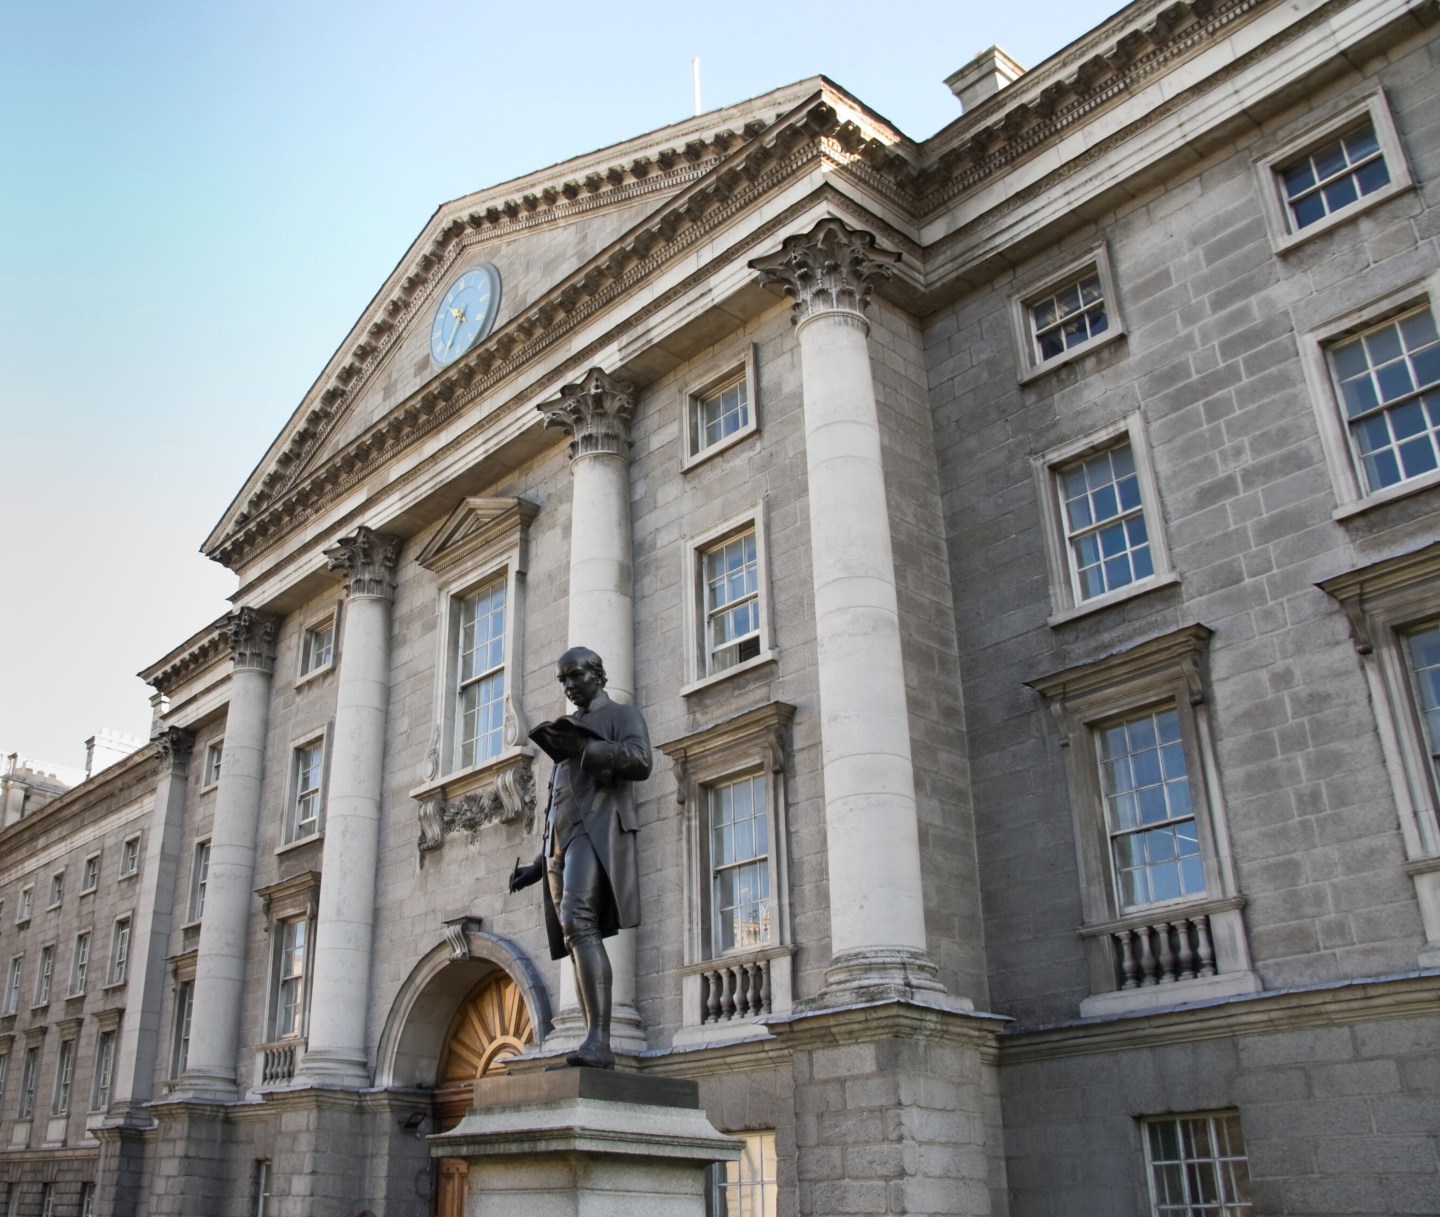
{"points": [[585, 1143]]}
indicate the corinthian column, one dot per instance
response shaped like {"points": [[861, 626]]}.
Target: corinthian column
{"points": [[596, 414], [340, 992], [140, 1036], [224, 931], [877, 920]]}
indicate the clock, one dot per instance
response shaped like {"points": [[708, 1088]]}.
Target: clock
{"points": [[466, 313]]}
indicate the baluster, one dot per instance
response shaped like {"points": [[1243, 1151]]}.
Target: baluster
{"points": [[1187, 952], [765, 987], [752, 993], [712, 997], [727, 993], [1128, 970], [1147, 958], [1167, 954], [1206, 951]]}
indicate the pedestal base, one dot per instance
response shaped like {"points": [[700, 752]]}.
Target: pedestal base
{"points": [[584, 1143]]}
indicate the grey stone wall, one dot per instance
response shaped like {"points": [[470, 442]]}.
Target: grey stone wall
{"points": [[1211, 362], [1338, 1116]]}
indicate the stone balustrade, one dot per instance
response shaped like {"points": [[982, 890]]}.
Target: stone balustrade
{"points": [[1162, 951], [279, 1061]]}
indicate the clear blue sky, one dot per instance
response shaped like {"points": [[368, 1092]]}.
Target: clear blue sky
{"points": [[198, 199]]}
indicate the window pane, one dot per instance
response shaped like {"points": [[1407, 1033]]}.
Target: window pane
{"points": [[1334, 176], [739, 860]]}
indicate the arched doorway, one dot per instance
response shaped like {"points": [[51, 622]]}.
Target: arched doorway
{"points": [[491, 1025]]}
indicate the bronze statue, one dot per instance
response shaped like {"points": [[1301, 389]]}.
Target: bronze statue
{"points": [[588, 856]]}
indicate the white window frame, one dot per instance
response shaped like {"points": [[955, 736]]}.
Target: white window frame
{"points": [[1229, 1206], [87, 1200], [90, 875], [180, 1039], [130, 856], [45, 975], [290, 833], [104, 1079], [1384, 602], [697, 653], [47, 1200], [752, 1181], [1346, 477], [754, 743], [199, 875], [295, 900], [704, 383], [1038, 288], [13, 981], [29, 1081], [1270, 168], [482, 540], [466, 604], [1166, 671], [64, 1078], [4, 1073], [308, 666], [214, 756], [57, 889], [80, 963], [1065, 596], [26, 907], [262, 1187], [119, 962]]}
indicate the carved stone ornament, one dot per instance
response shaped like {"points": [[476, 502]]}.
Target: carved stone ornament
{"points": [[457, 930], [252, 638], [172, 748], [596, 412], [832, 267], [510, 800], [368, 558]]}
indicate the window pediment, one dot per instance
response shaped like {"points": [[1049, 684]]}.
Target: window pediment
{"points": [[477, 529]]}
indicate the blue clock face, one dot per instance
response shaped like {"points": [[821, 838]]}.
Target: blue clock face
{"points": [[465, 314]]}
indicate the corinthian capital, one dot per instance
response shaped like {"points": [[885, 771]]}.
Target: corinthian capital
{"points": [[596, 412], [831, 267], [172, 747], [368, 559], [252, 638]]}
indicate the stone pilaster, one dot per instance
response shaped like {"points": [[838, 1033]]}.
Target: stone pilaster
{"points": [[596, 414], [224, 932], [340, 990], [877, 921], [141, 1035]]}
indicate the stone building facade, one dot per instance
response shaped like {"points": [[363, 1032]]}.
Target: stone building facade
{"points": [[1023, 546]]}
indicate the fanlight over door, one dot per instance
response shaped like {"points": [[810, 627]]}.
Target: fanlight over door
{"points": [[491, 1025]]}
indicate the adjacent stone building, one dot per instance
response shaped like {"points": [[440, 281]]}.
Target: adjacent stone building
{"points": [[1023, 546]]}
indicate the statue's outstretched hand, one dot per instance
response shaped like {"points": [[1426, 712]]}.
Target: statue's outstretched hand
{"points": [[524, 876]]}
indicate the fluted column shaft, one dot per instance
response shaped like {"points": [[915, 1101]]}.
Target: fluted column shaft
{"points": [[225, 929], [877, 920], [141, 1033], [596, 413], [340, 989]]}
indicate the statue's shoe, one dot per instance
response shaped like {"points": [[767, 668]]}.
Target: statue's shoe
{"points": [[592, 1056]]}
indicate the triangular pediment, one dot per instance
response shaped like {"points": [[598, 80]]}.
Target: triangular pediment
{"points": [[477, 527], [587, 204]]}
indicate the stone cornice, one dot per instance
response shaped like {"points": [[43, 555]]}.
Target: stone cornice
{"points": [[202, 650], [1226, 1018]]}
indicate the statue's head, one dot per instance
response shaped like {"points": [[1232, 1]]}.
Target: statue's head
{"points": [[582, 672]]}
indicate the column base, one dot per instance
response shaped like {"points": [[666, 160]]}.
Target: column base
{"points": [[205, 1086], [874, 974], [583, 1143], [333, 1067], [627, 1035]]}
